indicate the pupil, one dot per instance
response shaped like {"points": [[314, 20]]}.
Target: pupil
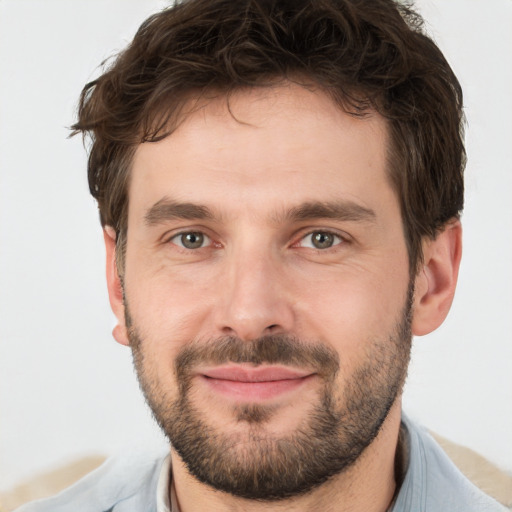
{"points": [[192, 240], [322, 240]]}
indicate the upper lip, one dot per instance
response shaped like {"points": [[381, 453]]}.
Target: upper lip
{"points": [[254, 374]]}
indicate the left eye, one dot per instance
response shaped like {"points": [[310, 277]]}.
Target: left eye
{"points": [[191, 240], [320, 240]]}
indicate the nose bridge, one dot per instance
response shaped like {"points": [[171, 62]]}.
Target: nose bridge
{"points": [[254, 299]]}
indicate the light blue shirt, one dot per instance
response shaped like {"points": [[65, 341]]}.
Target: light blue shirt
{"points": [[130, 483], [433, 483]]}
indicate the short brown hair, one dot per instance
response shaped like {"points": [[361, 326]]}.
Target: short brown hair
{"points": [[368, 55]]}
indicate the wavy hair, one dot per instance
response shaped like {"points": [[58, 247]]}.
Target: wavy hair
{"points": [[367, 55]]}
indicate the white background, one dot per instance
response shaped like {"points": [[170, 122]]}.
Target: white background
{"points": [[66, 388]]}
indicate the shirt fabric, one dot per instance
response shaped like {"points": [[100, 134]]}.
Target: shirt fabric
{"points": [[140, 483]]}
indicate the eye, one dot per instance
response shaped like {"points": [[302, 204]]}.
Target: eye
{"points": [[320, 240], [191, 240]]}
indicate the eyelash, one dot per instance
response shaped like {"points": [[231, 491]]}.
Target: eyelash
{"points": [[338, 239], [181, 234]]}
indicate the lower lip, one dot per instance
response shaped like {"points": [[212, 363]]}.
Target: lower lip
{"points": [[254, 391]]}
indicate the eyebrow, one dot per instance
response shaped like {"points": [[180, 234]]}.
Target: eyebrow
{"points": [[338, 210], [167, 209]]}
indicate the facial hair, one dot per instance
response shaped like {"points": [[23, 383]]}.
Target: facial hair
{"points": [[253, 463]]}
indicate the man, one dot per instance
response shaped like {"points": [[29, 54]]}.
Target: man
{"points": [[280, 185]]}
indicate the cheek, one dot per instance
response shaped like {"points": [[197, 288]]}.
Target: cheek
{"points": [[169, 306], [351, 310]]}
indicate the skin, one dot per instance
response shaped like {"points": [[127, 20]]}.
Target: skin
{"points": [[258, 272]]}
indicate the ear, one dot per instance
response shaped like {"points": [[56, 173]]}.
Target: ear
{"points": [[115, 290], [437, 278]]}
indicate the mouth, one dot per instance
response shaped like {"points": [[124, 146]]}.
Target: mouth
{"points": [[253, 384]]}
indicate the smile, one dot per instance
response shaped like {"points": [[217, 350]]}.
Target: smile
{"points": [[249, 384]]}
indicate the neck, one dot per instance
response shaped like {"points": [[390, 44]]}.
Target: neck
{"points": [[369, 485]]}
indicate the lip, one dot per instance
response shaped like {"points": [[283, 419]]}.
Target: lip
{"points": [[250, 384]]}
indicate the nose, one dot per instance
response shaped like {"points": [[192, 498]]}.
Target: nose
{"points": [[254, 300]]}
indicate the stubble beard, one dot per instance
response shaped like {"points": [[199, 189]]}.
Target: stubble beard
{"points": [[253, 463]]}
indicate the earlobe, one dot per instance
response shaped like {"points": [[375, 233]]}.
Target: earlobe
{"points": [[437, 278], [115, 289]]}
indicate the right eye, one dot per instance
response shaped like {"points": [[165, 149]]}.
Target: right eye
{"points": [[191, 240], [321, 239]]}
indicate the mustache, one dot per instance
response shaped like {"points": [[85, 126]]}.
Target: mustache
{"points": [[271, 349]]}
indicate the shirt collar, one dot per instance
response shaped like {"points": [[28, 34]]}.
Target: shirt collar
{"points": [[163, 504]]}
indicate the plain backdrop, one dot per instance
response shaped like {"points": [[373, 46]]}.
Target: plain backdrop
{"points": [[67, 389]]}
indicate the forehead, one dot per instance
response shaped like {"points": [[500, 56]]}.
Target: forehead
{"points": [[264, 146]]}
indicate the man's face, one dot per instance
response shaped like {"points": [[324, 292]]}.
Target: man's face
{"points": [[267, 289]]}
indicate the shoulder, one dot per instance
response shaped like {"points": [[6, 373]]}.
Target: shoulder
{"points": [[123, 483], [433, 483]]}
